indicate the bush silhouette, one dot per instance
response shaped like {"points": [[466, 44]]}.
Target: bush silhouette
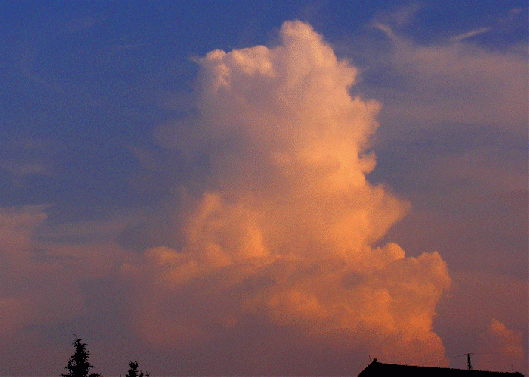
{"points": [[134, 372]]}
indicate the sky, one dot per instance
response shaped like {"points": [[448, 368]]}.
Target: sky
{"points": [[263, 187]]}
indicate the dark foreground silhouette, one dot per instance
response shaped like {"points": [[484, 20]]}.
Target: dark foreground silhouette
{"points": [[380, 369], [79, 366]]}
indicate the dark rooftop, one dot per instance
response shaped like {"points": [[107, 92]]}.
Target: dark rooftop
{"points": [[380, 369]]}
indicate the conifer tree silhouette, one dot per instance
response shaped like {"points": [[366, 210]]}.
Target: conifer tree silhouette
{"points": [[78, 365]]}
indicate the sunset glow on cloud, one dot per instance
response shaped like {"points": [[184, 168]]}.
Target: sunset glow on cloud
{"points": [[505, 347], [286, 232], [285, 188], [29, 284]]}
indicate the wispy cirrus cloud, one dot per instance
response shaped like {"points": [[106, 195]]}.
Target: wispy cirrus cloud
{"points": [[456, 82], [470, 34]]}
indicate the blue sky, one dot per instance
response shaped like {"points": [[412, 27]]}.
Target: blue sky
{"points": [[113, 148]]}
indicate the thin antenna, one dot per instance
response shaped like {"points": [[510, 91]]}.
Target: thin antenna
{"points": [[469, 363]]}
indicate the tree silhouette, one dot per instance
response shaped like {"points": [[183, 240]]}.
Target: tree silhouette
{"points": [[134, 372], [78, 365]]}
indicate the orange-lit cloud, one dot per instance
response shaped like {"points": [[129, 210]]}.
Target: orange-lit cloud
{"points": [[284, 234], [504, 349], [40, 280], [28, 285]]}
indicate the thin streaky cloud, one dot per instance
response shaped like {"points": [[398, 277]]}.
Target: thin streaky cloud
{"points": [[470, 34]]}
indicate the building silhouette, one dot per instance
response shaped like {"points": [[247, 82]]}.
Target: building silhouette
{"points": [[378, 369]]}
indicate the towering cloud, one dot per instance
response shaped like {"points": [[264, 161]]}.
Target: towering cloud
{"points": [[282, 237]]}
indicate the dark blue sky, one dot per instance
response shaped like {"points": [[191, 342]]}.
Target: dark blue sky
{"points": [[89, 77]]}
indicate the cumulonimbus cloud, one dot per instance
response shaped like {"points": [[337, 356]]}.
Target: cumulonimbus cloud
{"points": [[285, 233]]}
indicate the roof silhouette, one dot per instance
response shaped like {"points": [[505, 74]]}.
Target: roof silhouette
{"points": [[381, 369]]}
